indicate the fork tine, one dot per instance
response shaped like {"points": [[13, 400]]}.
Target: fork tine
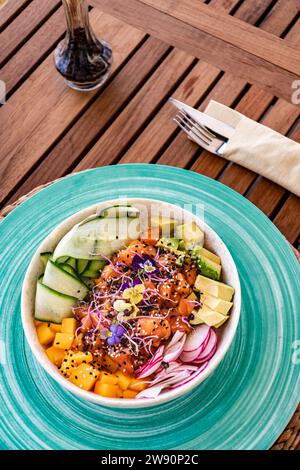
{"points": [[199, 126], [188, 132], [191, 128]]}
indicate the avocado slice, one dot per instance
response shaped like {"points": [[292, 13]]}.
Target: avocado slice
{"points": [[215, 303], [165, 225], [208, 268], [215, 288], [204, 252], [208, 316], [170, 244], [191, 234]]}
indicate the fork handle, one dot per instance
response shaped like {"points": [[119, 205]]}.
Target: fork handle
{"points": [[220, 150]]}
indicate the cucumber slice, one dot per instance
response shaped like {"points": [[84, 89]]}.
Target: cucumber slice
{"points": [[52, 306], [95, 237], [93, 269], [72, 262], [81, 265], [66, 267], [60, 280], [63, 259], [44, 257], [117, 212]]}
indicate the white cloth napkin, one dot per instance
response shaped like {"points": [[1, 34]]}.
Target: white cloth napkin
{"points": [[259, 148]]}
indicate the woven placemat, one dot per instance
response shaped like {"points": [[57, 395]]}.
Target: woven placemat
{"points": [[290, 438]]}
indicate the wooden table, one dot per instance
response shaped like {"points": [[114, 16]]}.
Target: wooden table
{"points": [[244, 54]]}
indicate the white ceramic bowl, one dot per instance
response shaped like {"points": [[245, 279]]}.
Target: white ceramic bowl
{"points": [[225, 333]]}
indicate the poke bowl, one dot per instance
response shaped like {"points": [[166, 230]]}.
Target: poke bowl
{"points": [[131, 303]]}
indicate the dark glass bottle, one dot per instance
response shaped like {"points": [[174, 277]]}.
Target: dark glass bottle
{"points": [[82, 59]]}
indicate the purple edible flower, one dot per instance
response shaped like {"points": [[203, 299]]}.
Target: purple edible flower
{"points": [[116, 331], [146, 263], [131, 283]]}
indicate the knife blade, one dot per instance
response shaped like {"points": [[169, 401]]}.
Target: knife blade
{"points": [[211, 123]]}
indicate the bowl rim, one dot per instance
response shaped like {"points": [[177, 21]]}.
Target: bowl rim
{"points": [[51, 369]]}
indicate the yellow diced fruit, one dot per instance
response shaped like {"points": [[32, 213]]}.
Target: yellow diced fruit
{"points": [[129, 394], [55, 327], [68, 326], [107, 390], [138, 385], [84, 376], [55, 355], [106, 378], [45, 334], [63, 340], [68, 364], [82, 357], [38, 323], [123, 380]]}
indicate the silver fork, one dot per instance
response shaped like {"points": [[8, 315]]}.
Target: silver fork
{"points": [[200, 134]]}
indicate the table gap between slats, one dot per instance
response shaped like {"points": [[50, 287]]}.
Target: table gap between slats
{"points": [[11, 11], [29, 21]]}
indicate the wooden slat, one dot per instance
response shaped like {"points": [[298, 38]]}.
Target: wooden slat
{"points": [[30, 18], [10, 10], [160, 130], [262, 59], [42, 114], [288, 219], [139, 110], [122, 131], [101, 112], [252, 105], [231, 30], [33, 51], [95, 119]]}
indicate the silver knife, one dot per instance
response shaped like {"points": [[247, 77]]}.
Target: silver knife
{"points": [[211, 123]]}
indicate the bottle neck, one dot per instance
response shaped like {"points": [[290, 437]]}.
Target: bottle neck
{"points": [[77, 16]]}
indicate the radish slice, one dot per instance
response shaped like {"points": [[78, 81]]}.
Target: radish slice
{"points": [[151, 392], [152, 365], [210, 346], [196, 338], [191, 356], [173, 351], [176, 338], [207, 357], [192, 376]]}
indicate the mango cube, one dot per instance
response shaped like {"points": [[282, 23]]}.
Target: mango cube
{"points": [[68, 326], [107, 390], [84, 376], [63, 340], [55, 355], [68, 364], [138, 385], [129, 394], [55, 327], [82, 357], [123, 380], [45, 334], [106, 378]]}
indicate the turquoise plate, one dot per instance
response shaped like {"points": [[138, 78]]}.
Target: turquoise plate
{"points": [[244, 404]]}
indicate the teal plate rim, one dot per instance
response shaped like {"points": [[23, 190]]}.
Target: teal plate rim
{"points": [[245, 404]]}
